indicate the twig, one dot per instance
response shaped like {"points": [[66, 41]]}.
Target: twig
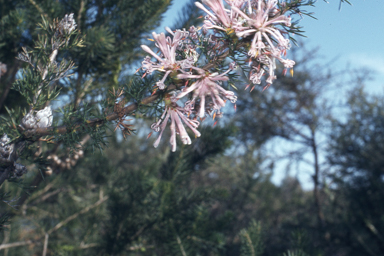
{"points": [[74, 216], [45, 245], [41, 192], [250, 244], [16, 244], [79, 14], [138, 247], [38, 8], [316, 192], [38, 132], [86, 246], [80, 95], [52, 58], [181, 246], [7, 235], [46, 196]]}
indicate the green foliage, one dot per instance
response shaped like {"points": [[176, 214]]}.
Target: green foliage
{"points": [[31, 83], [110, 40], [251, 240], [295, 253], [36, 82], [136, 89], [356, 149], [78, 124], [149, 209]]}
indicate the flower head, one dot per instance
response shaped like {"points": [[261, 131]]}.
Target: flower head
{"points": [[166, 62], [178, 116], [261, 25], [237, 3], [259, 19], [207, 85], [219, 19]]}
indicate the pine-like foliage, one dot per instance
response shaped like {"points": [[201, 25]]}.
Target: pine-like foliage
{"points": [[295, 253], [356, 150], [251, 240], [87, 66]]}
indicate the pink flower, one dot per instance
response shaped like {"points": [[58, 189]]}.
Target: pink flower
{"points": [[256, 75], [268, 60], [207, 85], [166, 62], [257, 19], [268, 42], [237, 3], [261, 26], [177, 115], [220, 16]]}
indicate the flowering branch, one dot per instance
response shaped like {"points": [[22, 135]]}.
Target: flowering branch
{"points": [[43, 131], [194, 67], [259, 27]]}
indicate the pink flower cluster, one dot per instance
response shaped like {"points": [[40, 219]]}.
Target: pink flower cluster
{"points": [[166, 62], [179, 56], [206, 85], [258, 20], [178, 116], [259, 24]]}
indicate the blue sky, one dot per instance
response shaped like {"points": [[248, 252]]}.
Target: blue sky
{"points": [[353, 35]]}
